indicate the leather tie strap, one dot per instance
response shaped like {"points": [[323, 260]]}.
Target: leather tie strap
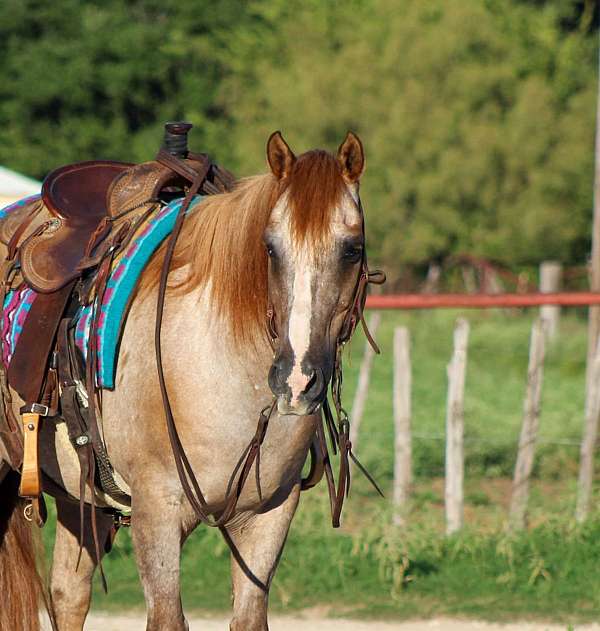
{"points": [[30, 473], [339, 435], [13, 244], [181, 168]]}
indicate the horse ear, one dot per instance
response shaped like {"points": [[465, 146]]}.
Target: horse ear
{"points": [[351, 158], [280, 157]]}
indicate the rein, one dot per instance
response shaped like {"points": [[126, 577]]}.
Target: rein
{"points": [[251, 453], [338, 429], [339, 435]]}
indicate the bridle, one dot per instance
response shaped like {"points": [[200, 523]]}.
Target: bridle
{"points": [[338, 429]]}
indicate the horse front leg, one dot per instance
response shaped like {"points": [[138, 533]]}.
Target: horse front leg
{"points": [[71, 586], [157, 538], [256, 545]]}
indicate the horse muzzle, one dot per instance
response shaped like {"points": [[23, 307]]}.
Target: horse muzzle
{"points": [[305, 395]]}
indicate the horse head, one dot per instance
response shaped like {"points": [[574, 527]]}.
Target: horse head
{"points": [[314, 240]]}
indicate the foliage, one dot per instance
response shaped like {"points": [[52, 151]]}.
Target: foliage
{"points": [[85, 80], [477, 117]]}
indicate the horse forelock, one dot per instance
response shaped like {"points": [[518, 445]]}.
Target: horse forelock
{"points": [[221, 245], [315, 189]]}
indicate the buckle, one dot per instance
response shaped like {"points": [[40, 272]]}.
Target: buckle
{"points": [[122, 521], [35, 408]]}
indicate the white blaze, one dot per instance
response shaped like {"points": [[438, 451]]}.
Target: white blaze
{"points": [[299, 332]]}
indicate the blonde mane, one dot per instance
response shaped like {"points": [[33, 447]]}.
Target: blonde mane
{"points": [[222, 241]]}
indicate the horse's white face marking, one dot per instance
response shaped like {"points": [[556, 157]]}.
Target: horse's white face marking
{"points": [[299, 323]]}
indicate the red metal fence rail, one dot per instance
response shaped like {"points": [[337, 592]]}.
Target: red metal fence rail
{"points": [[482, 301]]}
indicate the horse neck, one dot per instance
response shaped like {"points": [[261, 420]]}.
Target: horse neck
{"points": [[199, 324]]}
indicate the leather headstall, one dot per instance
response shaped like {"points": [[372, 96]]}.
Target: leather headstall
{"points": [[338, 429]]}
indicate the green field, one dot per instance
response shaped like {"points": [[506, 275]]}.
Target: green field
{"points": [[370, 568]]}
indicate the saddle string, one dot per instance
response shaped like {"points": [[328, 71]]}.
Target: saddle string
{"points": [[21, 229], [92, 391]]}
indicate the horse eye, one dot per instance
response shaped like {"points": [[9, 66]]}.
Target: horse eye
{"points": [[270, 250], [353, 253]]}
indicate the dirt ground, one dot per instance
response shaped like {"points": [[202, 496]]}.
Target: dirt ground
{"points": [[99, 622]]}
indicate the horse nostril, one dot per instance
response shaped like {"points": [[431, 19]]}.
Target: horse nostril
{"points": [[275, 378], [315, 385], [310, 383]]}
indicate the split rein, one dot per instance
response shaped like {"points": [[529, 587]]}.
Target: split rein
{"points": [[338, 428]]}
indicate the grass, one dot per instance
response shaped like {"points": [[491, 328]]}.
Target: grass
{"points": [[370, 568]]}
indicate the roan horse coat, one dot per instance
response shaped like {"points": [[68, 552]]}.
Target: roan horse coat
{"points": [[291, 241]]}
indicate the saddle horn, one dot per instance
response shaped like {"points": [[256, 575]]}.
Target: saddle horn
{"points": [[175, 139]]}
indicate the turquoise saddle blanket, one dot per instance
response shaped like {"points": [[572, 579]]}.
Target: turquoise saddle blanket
{"points": [[113, 311]]}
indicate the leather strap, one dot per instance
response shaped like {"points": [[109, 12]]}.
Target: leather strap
{"points": [[181, 168], [30, 472], [13, 244], [338, 429], [251, 454]]}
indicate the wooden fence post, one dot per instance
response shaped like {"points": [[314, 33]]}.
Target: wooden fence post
{"points": [[594, 311], [455, 418], [531, 415], [590, 433], [362, 389], [550, 281], [402, 418]]}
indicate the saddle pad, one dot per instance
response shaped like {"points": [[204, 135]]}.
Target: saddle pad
{"points": [[125, 274], [4, 212], [17, 305]]}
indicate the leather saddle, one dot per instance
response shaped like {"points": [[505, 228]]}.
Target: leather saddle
{"points": [[55, 243], [82, 199]]}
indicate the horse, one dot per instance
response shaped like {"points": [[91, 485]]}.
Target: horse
{"points": [[289, 243]]}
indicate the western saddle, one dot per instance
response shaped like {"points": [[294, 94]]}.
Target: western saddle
{"points": [[63, 246]]}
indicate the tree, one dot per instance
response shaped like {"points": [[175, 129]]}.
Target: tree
{"points": [[477, 117], [477, 120], [90, 79]]}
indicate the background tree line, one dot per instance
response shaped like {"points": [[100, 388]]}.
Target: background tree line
{"points": [[477, 115]]}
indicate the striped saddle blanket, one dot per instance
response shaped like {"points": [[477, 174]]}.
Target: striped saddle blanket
{"points": [[126, 271]]}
